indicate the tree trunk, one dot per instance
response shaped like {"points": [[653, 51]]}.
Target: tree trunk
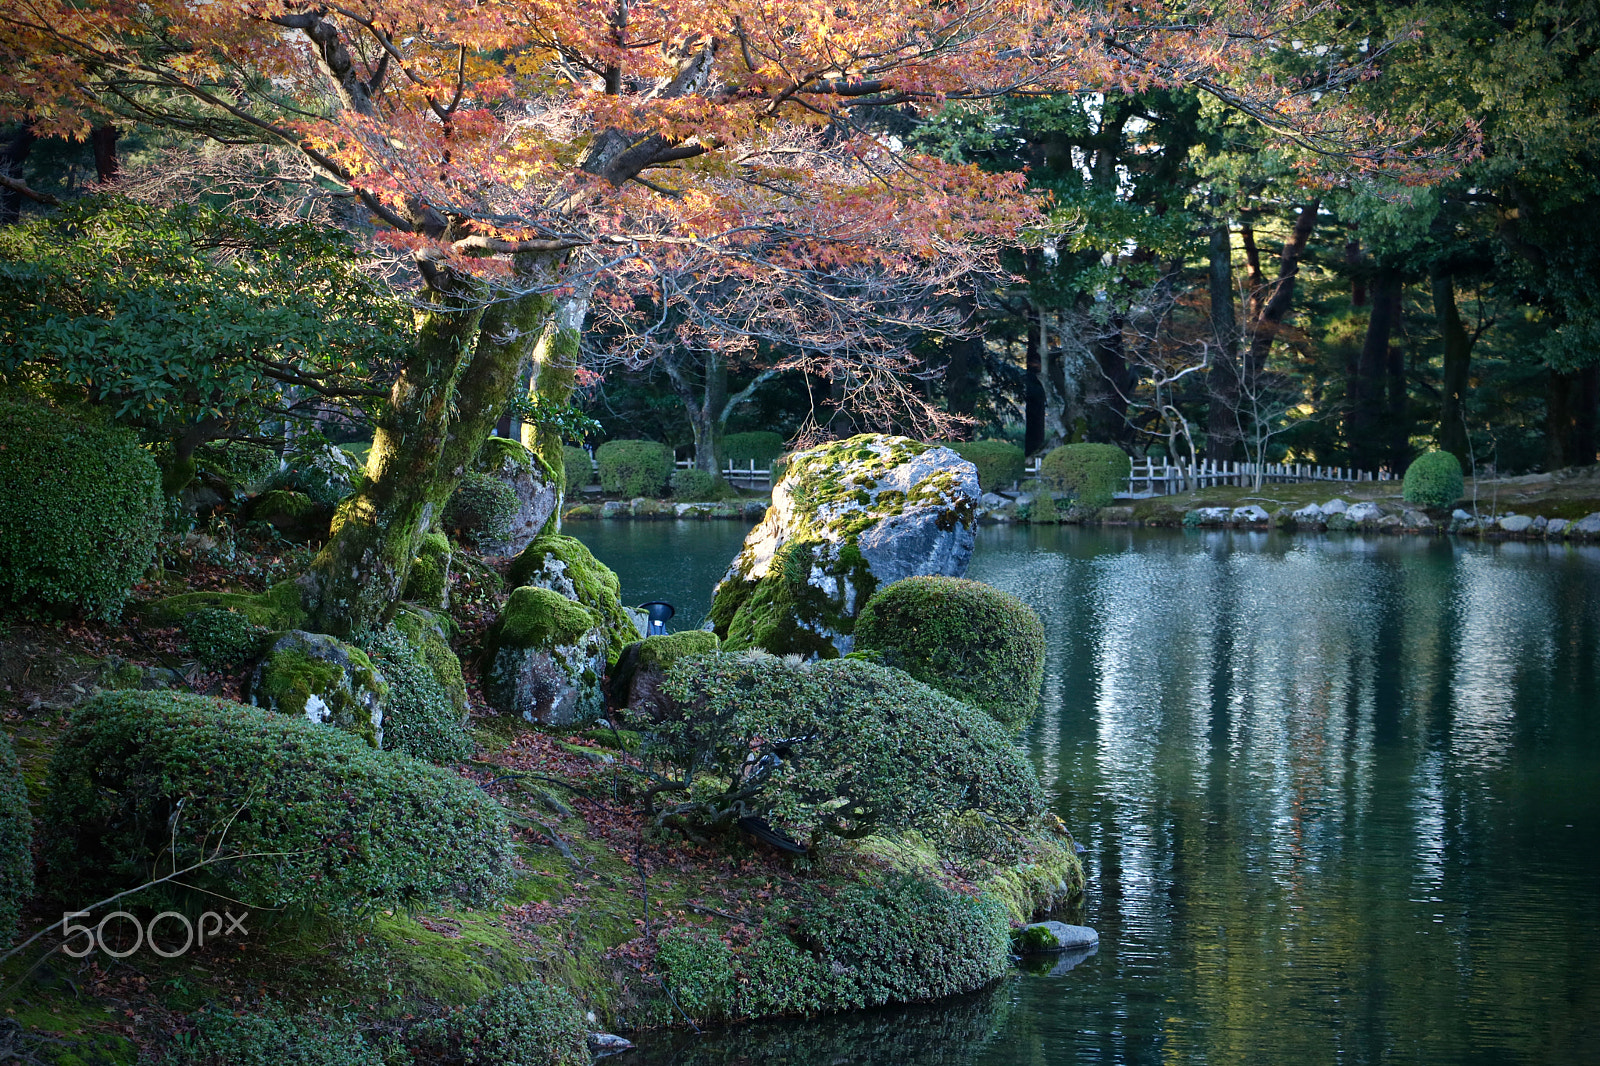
{"points": [[1398, 416], [1264, 329], [1222, 379], [11, 159], [104, 141], [1365, 389], [1570, 418], [1452, 434], [965, 363], [1033, 389], [1057, 390], [705, 398]]}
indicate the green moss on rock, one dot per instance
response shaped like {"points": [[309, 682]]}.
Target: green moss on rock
{"points": [[564, 565], [541, 618], [430, 570], [324, 680], [278, 608]]}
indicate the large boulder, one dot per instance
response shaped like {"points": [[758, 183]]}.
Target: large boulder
{"points": [[323, 680], [530, 482], [846, 518]]}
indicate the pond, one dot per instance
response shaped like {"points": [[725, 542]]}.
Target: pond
{"points": [[1339, 797]]}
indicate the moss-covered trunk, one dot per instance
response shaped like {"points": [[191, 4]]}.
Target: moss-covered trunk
{"points": [[555, 378]]}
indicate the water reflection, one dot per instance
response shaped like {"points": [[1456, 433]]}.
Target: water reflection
{"points": [[1339, 796]]}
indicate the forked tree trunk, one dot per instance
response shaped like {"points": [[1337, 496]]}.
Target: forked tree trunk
{"points": [[1452, 435]]}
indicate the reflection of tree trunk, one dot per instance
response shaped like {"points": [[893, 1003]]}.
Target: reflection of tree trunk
{"points": [[1452, 435], [104, 141], [1399, 420], [1365, 389], [1570, 417], [1222, 379], [11, 160], [1033, 389]]}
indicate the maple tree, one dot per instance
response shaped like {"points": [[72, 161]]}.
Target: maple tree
{"points": [[521, 151]]}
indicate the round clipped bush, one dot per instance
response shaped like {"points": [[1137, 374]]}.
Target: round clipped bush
{"points": [[419, 716], [220, 637], [80, 511], [842, 747], [326, 821], [16, 840], [761, 446], [1093, 473], [481, 508], [635, 467], [1000, 465], [579, 467], [1433, 480], [692, 484], [529, 1024], [982, 646]]}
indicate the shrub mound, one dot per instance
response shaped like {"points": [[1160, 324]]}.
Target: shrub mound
{"points": [[419, 716], [578, 466], [481, 508], [692, 484], [529, 1024], [841, 746], [80, 511], [220, 637], [1000, 465], [635, 467], [1433, 480], [762, 446], [273, 1038], [16, 840], [1091, 472], [982, 646], [336, 825]]}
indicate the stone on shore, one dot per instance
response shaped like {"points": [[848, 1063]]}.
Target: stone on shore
{"points": [[1363, 512], [1516, 523], [1066, 937], [1587, 526], [1252, 513], [1335, 506]]}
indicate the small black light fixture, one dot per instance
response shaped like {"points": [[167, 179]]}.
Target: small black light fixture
{"points": [[659, 613]]}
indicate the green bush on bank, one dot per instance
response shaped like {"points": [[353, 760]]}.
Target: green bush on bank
{"points": [[16, 840], [982, 646], [481, 508], [761, 446], [635, 467], [220, 637], [273, 1038], [579, 467], [529, 1024], [80, 511], [1433, 480], [334, 824], [692, 484], [1092, 473], [842, 747], [1000, 464]]}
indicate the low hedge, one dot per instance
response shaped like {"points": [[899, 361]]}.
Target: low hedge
{"points": [[762, 446], [1433, 480], [80, 511], [336, 825], [481, 508], [1093, 473], [980, 645], [692, 484], [635, 467], [16, 840], [220, 637], [579, 467], [529, 1024], [1000, 464]]}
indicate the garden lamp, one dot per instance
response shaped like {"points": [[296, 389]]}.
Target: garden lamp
{"points": [[659, 613]]}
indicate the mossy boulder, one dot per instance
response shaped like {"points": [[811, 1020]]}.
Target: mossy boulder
{"points": [[279, 608], [846, 518], [639, 672], [562, 564], [429, 581], [983, 646], [533, 485], [293, 514], [16, 840], [323, 680], [325, 472], [545, 659]]}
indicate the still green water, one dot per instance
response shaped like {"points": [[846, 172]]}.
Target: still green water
{"points": [[1340, 798]]}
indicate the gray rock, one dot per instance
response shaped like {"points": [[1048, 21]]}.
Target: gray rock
{"points": [[1557, 527], [1516, 523], [1363, 512], [889, 506], [328, 462], [1459, 515], [1416, 520], [991, 500], [508, 461], [1335, 506], [1390, 523], [1587, 526], [1068, 937], [543, 663], [324, 680], [603, 1044], [1540, 524], [1251, 513], [1212, 516], [1309, 513], [613, 509]]}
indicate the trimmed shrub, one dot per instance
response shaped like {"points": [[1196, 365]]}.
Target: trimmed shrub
{"points": [[80, 511], [1000, 464], [842, 746], [1433, 480], [692, 484], [430, 571], [579, 467], [529, 1024], [227, 1038], [334, 824], [220, 637], [763, 446], [481, 508], [635, 467], [982, 646], [16, 840], [1091, 472], [419, 716]]}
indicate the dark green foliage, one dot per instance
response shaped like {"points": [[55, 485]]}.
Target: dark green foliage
{"points": [[770, 975], [430, 571], [293, 514], [635, 467], [1433, 480], [1000, 465], [980, 645], [220, 637], [529, 1024], [481, 509], [743, 734], [321, 472], [228, 1038], [1093, 473], [350, 830], [16, 840], [419, 716], [80, 510], [579, 467], [692, 484], [763, 446], [246, 467]]}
